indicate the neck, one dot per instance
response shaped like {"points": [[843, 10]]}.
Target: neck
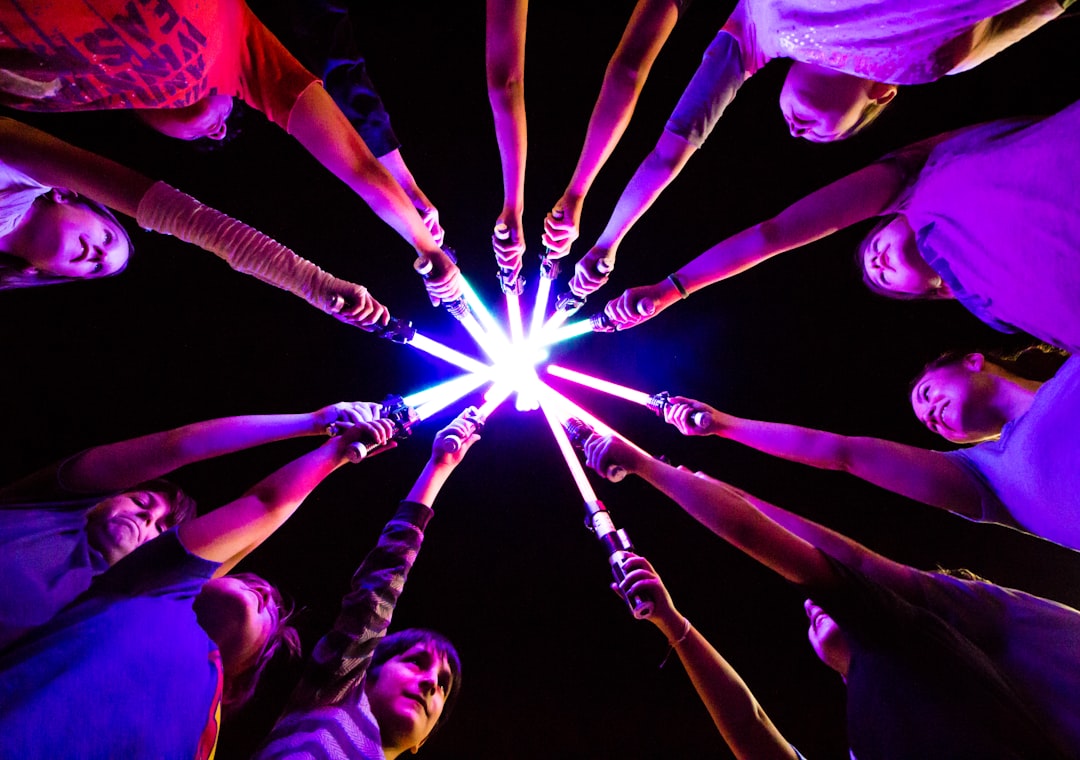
{"points": [[1013, 395]]}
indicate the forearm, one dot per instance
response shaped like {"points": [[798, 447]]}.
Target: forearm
{"points": [[816, 448], [1010, 27], [124, 464], [431, 480], [324, 131], [735, 711], [508, 111], [654, 174]]}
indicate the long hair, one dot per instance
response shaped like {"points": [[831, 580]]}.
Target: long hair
{"points": [[1038, 361], [405, 639], [860, 261]]}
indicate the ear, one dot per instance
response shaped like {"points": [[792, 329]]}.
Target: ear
{"points": [[882, 93], [974, 362], [62, 195], [416, 749]]}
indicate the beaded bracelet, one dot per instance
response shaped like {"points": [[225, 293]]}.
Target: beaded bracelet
{"points": [[676, 642]]}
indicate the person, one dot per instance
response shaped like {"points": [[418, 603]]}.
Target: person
{"points": [[646, 33], [365, 694], [848, 60], [1021, 472], [934, 666], [178, 65], [67, 523], [53, 229], [143, 664], [973, 215], [505, 63], [323, 38]]}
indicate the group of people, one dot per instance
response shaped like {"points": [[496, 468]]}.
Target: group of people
{"points": [[119, 597]]}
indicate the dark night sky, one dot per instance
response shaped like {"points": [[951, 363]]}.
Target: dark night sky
{"points": [[554, 665]]}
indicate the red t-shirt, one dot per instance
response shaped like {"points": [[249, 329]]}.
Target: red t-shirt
{"points": [[74, 55]]}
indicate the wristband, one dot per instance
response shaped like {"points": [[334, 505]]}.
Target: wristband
{"points": [[674, 279]]}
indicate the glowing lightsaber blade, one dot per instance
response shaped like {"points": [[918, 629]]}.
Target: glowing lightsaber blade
{"points": [[488, 343], [565, 408], [558, 335], [621, 391], [483, 316], [543, 293], [431, 401], [513, 314], [447, 354], [577, 471]]}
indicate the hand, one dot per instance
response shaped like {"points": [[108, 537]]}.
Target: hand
{"points": [[592, 271], [561, 228], [429, 215], [443, 281], [607, 454], [344, 415], [508, 242], [453, 441], [642, 580], [371, 434], [693, 417], [637, 305], [353, 305]]}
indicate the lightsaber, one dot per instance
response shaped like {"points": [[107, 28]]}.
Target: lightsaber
{"points": [[558, 335], [447, 354], [431, 401], [658, 402], [565, 409], [476, 419], [483, 316], [597, 518]]}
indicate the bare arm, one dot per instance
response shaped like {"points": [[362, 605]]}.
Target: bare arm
{"points": [[920, 474], [857, 196], [736, 713], [1008, 28], [326, 133], [231, 532], [505, 56], [56, 163]]}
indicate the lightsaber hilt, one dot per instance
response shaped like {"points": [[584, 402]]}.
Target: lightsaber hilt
{"points": [[452, 443], [568, 302], [579, 432], [394, 409], [617, 544], [659, 402], [423, 266], [601, 322], [397, 330], [509, 283], [549, 267]]}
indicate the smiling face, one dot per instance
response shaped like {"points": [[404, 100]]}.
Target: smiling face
{"points": [[822, 105], [408, 694], [117, 525], [63, 237], [891, 262], [955, 401], [204, 118], [827, 639]]}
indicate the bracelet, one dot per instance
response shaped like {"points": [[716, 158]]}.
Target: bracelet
{"points": [[674, 279], [676, 642]]}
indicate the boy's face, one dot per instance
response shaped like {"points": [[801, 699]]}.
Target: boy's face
{"points": [[118, 524], [408, 696]]}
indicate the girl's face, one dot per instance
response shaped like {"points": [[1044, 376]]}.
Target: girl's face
{"points": [[892, 262], [238, 616], [827, 639], [955, 401], [821, 105], [70, 240]]}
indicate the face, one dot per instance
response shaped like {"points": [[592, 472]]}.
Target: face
{"points": [[827, 639], [68, 239], [891, 261], [120, 523], [821, 105], [408, 696], [238, 616], [205, 118], [955, 401]]}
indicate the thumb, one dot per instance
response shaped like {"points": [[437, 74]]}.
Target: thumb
{"points": [[646, 307]]}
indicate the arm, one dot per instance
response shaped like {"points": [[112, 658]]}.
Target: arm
{"points": [[328, 136], [735, 711], [340, 660], [919, 474], [56, 163], [505, 57], [1010, 27], [854, 198], [230, 533], [645, 34], [116, 466]]}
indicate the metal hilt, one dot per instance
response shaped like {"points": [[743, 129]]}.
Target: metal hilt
{"points": [[618, 545], [659, 402], [602, 323], [568, 302], [509, 283], [579, 432], [549, 267], [451, 443], [397, 330]]}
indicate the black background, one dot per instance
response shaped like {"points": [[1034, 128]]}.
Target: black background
{"points": [[554, 665]]}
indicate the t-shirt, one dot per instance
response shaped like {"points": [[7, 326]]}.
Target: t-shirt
{"points": [[124, 672], [17, 194], [893, 41], [1030, 476], [110, 54], [956, 669]]}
